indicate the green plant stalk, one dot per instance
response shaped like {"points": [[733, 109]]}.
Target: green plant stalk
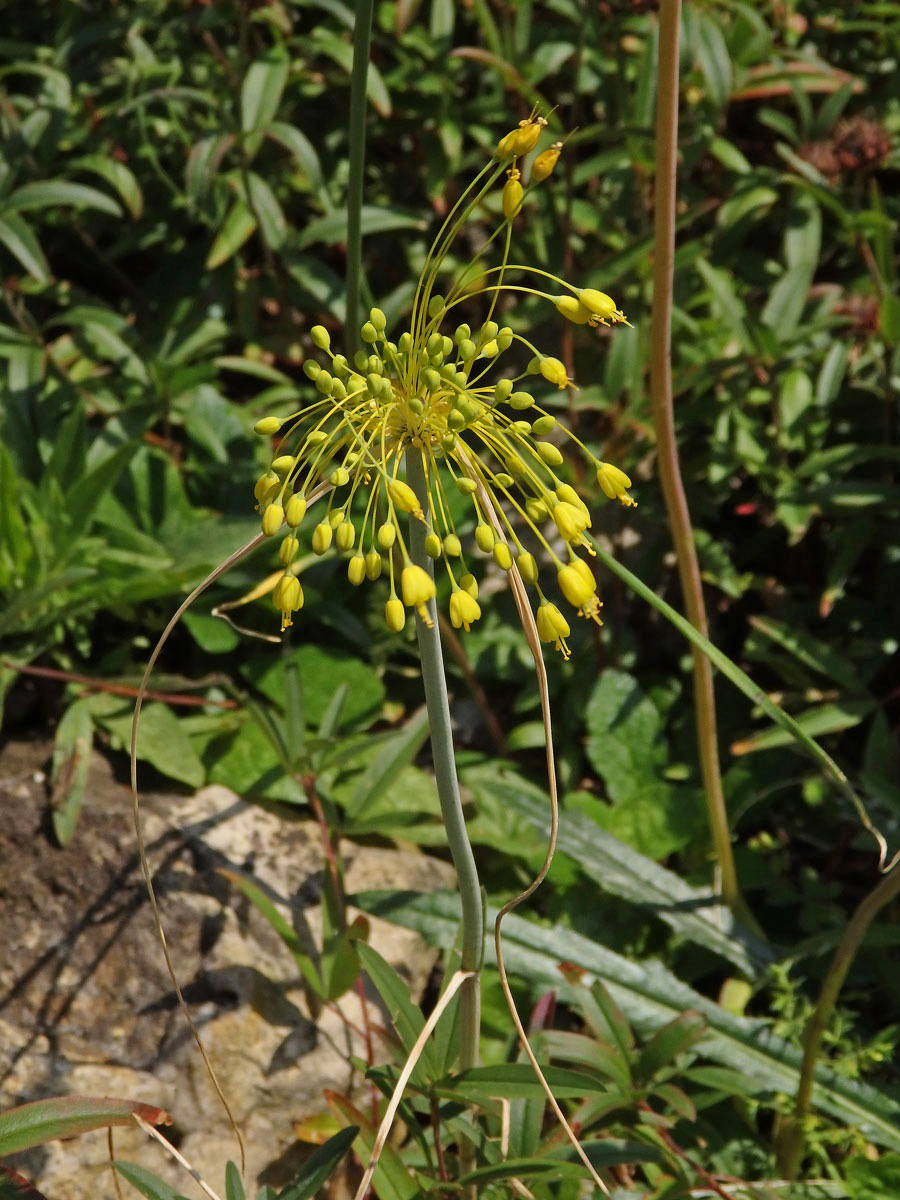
{"points": [[790, 1138], [362, 37], [435, 682], [667, 446]]}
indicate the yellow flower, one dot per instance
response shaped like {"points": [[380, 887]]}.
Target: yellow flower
{"points": [[552, 626], [464, 609], [287, 598], [451, 398]]}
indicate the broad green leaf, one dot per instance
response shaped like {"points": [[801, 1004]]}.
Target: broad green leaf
{"points": [[52, 193], [320, 1165], [803, 234], [650, 996], [479, 1085], [65, 1116], [272, 222], [161, 740], [19, 240], [730, 307], [68, 777], [203, 163], [748, 200], [585, 1051], [795, 398], [262, 89], [321, 669], [617, 868], [237, 227], [332, 228], [712, 55]]}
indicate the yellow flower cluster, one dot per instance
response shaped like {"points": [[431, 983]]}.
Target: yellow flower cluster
{"points": [[479, 433]]}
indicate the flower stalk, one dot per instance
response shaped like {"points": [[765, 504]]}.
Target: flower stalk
{"points": [[435, 684]]}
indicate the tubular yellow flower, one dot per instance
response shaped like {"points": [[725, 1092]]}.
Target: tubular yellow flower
{"points": [[553, 371], [417, 588], [614, 483], [287, 598], [464, 609], [444, 398], [553, 627]]}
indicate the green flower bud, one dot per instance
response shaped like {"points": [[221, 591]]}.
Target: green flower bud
{"points": [[452, 546], [446, 346], [431, 379], [537, 511], [505, 338], [448, 442], [373, 565], [368, 333], [361, 360], [433, 545], [395, 614], [283, 464], [339, 365], [345, 535], [324, 383], [311, 368], [462, 332], [377, 319], [465, 485], [467, 349], [416, 406], [339, 477], [543, 425], [387, 535], [549, 453], [502, 556], [456, 420], [527, 567], [503, 480], [287, 551], [267, 426], [490, 349], [502, 390], [521, 400], [338, 390], [436, 306], [320, 337]]}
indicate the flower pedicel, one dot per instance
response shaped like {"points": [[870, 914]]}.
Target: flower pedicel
{"points": [[441, 396]]}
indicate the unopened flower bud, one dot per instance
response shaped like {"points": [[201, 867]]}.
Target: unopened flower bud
{"points": [[387, 535], [345, 535], [311, 369], [543, 425], [502, 556], [545, 162], [573, 310], [287, 551], [549, 453], [404, 498], [521, 400], [512, 196], [373, 565], [395, 615], [295, 511], [484, 537], [433, 545], [321, 538], [368, 332], [378, 319], [320, 337], [356, 569], [452, 546], [266, 426], [554, 372], [527, 567], [272, 519]]}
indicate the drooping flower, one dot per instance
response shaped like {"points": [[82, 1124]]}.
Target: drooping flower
{"points": [[440, 392]]}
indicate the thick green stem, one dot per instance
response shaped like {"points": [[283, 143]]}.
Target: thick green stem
{"points": [[362, 36], [667, 447], [435, 683], [790, 1140]]}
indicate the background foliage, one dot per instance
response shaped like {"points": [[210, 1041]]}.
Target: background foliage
{"points": [[171, 225]]}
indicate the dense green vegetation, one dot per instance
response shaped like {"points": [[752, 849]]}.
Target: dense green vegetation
{"points": [[172, 225]]}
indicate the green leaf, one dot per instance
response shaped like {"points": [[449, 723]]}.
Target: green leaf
{"points": [[479, 1085], [650, 996], [811, 651], [342, 53], [332, 228], [615, 867], [161, 740], [234, 1188], [626, 747], [387, 763], [262, 90], [406, 1017], [667, 1043], [320, 669], [713, 57], [787, 299], [68, 776], [392, 1181], [300, 146], [725, 298], [873, 1180], [54, 192], [19, 240], [272, 222], [146, 1182], [282, 927], [65, 1116], [237, 227], [320, 1165], [824, 718], [203, 163], [118, 175], [803, 234]]}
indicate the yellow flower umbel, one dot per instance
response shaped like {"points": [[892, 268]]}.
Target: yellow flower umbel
{"points": [[442, 390]]}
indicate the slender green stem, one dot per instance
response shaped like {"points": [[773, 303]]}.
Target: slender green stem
{"points": [[435, 682], [362, 36], [790, 1140], [667, 446]]}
